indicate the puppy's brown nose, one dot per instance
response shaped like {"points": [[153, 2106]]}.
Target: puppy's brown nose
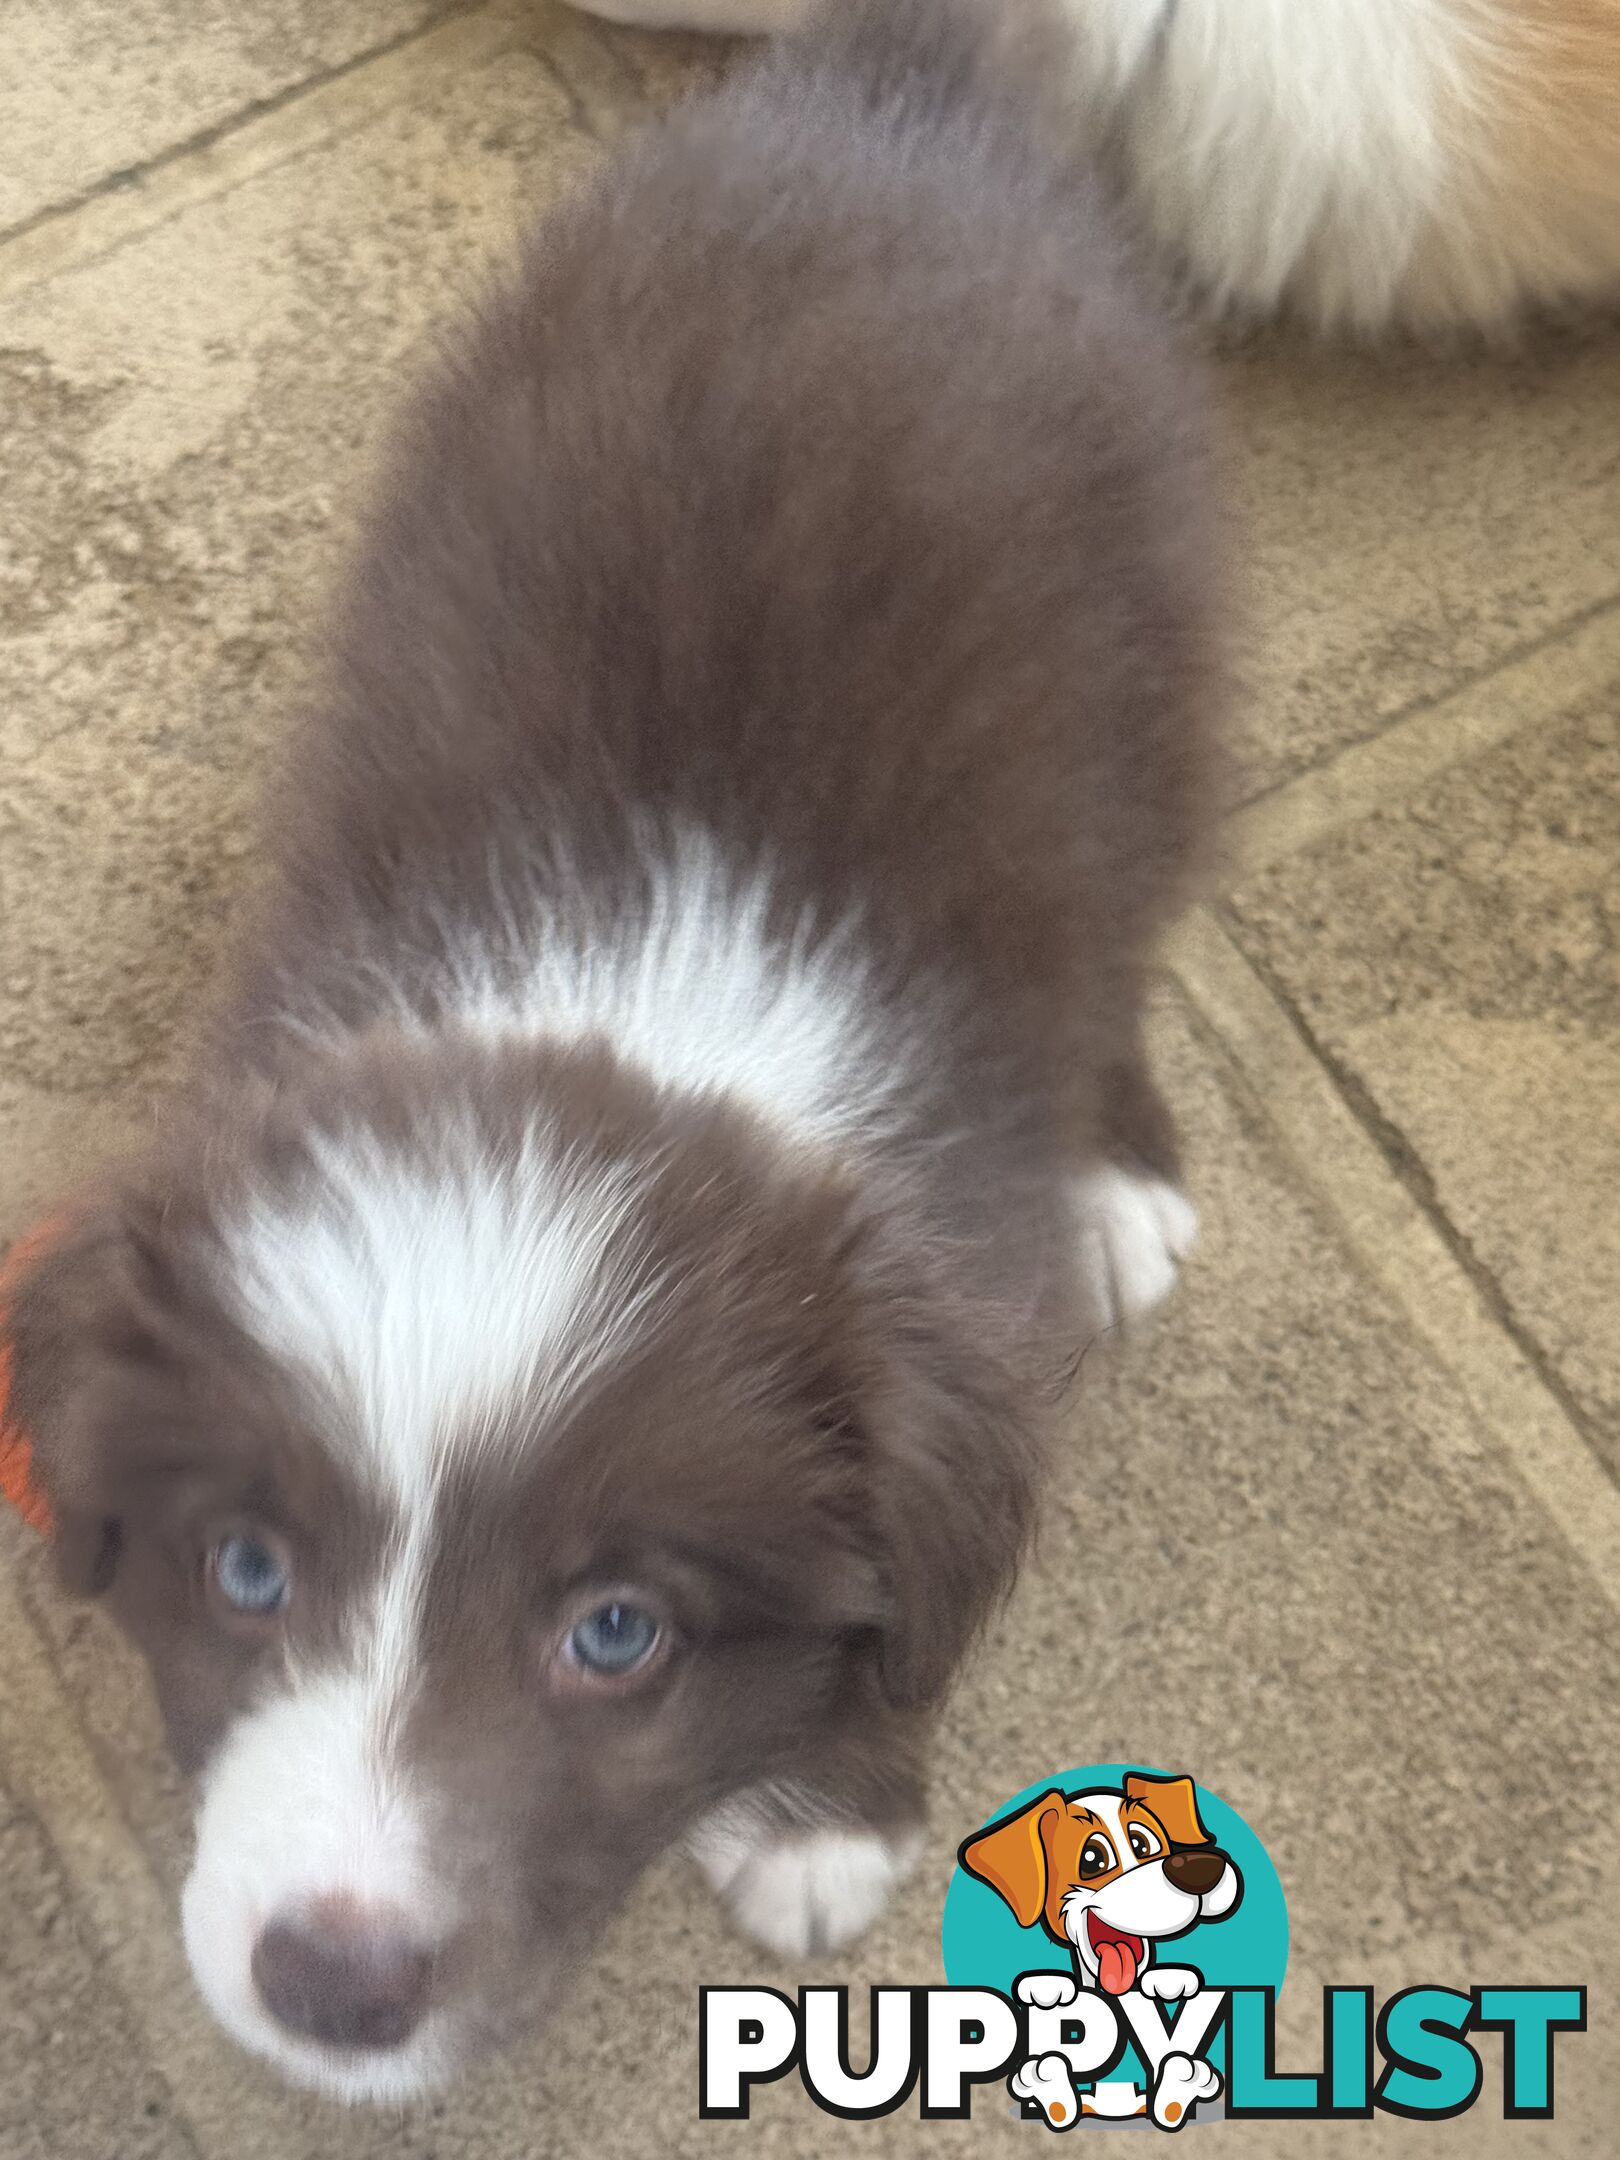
{"points": [[343, 1973], [1195, 1872]]}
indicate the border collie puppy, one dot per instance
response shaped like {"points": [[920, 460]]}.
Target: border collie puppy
{"points": [[569, 1376], [1430, 165]]}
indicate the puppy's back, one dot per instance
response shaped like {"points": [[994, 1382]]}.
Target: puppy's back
{"points": [[824, 483]]}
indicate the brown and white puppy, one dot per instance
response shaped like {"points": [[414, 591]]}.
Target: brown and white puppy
{"points": [[570, 1373], [1430, 165]]}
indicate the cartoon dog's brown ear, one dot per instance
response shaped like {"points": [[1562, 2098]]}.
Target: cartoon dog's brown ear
{"points": [[1011, 1857], [1175, 1803]]}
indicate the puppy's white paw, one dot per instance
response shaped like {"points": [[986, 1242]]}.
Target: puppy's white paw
{"points": [[1046, 2079], [1047, 1990], [1169, 1983], [1135, 1230], [1180, 2085], [800, 1893]]}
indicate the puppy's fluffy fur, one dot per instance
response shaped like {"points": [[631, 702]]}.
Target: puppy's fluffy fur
{"points": [[679, 1104], [1430, 165]]}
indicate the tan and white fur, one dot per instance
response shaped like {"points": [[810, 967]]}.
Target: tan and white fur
{"points": [[1366, 165]]}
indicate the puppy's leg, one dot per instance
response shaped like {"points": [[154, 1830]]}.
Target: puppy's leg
{"points": [[805, 1864], [1134, 1222]]}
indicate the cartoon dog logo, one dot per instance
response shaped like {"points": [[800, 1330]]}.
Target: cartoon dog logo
{"points": [[1110, 1875]]}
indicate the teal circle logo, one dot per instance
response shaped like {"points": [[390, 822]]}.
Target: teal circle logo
{"points": [[1125, 1878]]}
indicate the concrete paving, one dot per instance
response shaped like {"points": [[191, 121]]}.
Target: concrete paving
{"points": [[1341, 1533]]}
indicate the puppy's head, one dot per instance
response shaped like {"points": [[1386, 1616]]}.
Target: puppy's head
{"points": [[1108, 1874], [499, 1467]]}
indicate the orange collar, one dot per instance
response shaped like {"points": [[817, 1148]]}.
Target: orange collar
{"points": [[17, 1483]]}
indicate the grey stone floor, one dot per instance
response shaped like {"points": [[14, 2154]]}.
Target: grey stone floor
{"points": [[1360, 1554]]}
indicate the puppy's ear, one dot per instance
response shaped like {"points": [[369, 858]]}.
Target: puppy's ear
{"points": [[932, 1444], [1175, 1803], [952, 1462], [1011, 1857], [78, 1306]]}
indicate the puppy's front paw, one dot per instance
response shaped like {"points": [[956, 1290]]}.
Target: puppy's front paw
{"points": [[1135, 1230], [1180, 2085], [799, 1892]]}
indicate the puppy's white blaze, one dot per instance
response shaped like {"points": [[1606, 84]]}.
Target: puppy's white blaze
{"points": [[387, 1651], [308, 1799], [305, 1800], [422, 1294]]}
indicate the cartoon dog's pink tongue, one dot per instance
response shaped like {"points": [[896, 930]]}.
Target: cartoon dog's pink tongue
{"points": [[1118, 1954]]}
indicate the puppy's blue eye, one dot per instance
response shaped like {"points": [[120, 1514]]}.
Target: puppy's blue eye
{"points": [[251, 1575], [614, 1640]]}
